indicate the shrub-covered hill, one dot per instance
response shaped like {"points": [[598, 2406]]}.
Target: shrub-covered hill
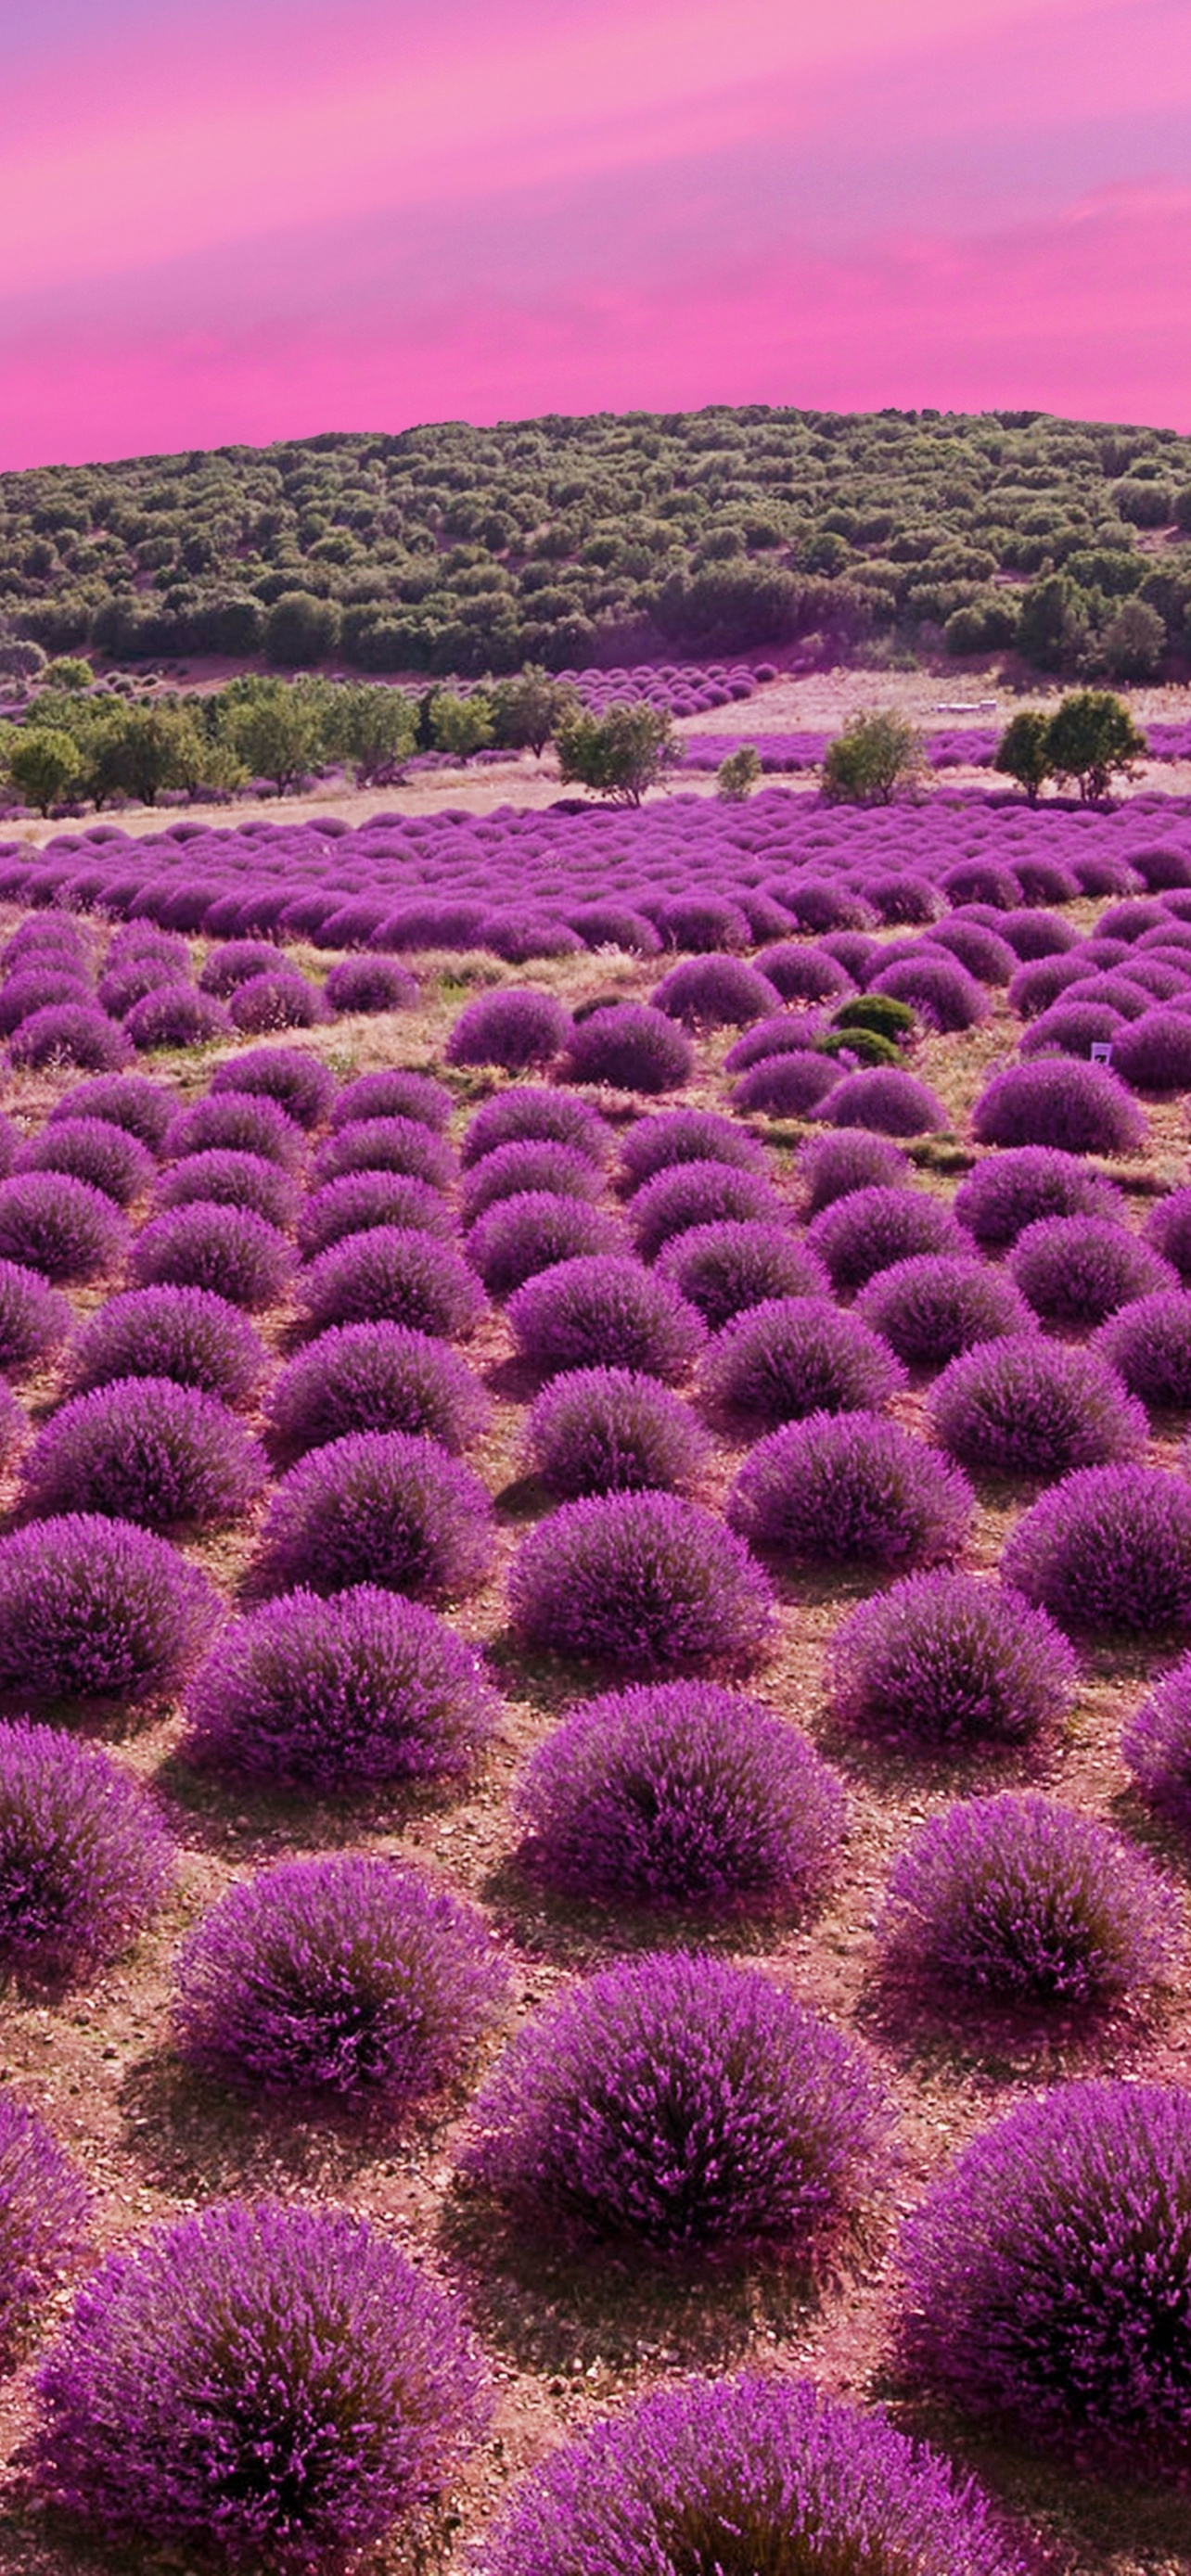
{"points": [[567, 541]]}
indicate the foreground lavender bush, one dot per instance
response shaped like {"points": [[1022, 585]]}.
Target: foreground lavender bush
{"points": [[944, 1659], [347, 1976], [612, 2116], [675, 1137], [92, 1150], [534, 1163], [850, 1488], [237, 1123], [807, 2485], [599, 1311], [1009, 1191], [95, 1610], [44, 2209], [794, 1356], [1148, 1343], [787, 1086], [361, 1202], [277, 2384], [388, 1145], [849, 1159], [1076, 1270], [69, 1033], [727, 1267], [935, 1305], [1168, 1229], [680, 1794], [673, 1202], [1156, 1745], [386, 1507], [144, 1449], [715, 993], [375, 1377], [602, 1431], [129, 1100], [34, 1319], [521, 1236], [632, 1047], [225, 1178], [84, 1861], [394, 1092], [643, 1583], [886, 1100], [293, 1079], [186, 1334], [533, 1111], [870, 1229], [517, 1028], [1081, 1108], [228, 1250], [1020, 1901], [60, 1226], [1049, 2272], [1029, 1407], [1109, 1547], [391, 1275]]}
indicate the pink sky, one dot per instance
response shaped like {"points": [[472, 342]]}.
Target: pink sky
{"points": [[227, 220]]}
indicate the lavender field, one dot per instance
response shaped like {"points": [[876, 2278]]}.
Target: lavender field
{"points": [[595, 1648]]}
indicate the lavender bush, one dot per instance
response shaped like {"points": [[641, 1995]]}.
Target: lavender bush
{"points": [[1009, 1191], [945, 1659], [517, 1028], [518, 1237], [872, 1228], [228, 1250], [608, 1430], [84, 1860], [1029, 1407], [715, 993], [886, 1100], [176, 1015], [1168, 1230], [95, 1610], [129, 1100], [1076, 1270], [794, 1356], [674, 1138], [91, 1150], [360, 1201], [34, 1319], [832, 1166], [238, 1123], [394, 1092], [599, 1311], [383, 1507], [787, 1086], [44, 2214], [388, 1145], [1080, 1108], [375, 1377], [935, 1305], [224, 1178], [534, 1112], [1148, 1343], [185, 1334], [643, 1583], [389, 1275], [850, 1488], [724, 1268], [534, 1164], [144, 1449], [632, 1047], [292, 1078], [59, 1226], [1109, 1547]]}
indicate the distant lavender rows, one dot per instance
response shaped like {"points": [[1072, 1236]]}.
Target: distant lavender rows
{"points": [[952, 748]]}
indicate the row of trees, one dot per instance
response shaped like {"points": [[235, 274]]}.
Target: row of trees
{"points": [[1088, 740], [563, 541]]}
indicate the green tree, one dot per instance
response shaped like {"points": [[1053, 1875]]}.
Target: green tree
{"points": [[528, 709], [619, 755], [1053, 625], [68, 671], [737, 776], [1023, 752], [1091, 736], [461, 725], [300, 630], [877, 753], [277, 732], [1134, 641], [44, 765], [374, 729]]}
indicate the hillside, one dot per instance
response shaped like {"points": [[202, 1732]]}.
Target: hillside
{"points": [[569, 541]]}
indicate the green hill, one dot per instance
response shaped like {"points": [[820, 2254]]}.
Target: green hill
{"points": [[612, 538]]}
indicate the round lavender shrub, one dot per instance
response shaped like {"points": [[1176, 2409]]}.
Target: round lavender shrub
{"points": [[42, 940], [804, 974], [1148, 1343], [534, 1113], [613, 2117], [185, 1334], [84, 1860], [1080, 1108], [34, 1320], [1076, 1270], [345, 1976], [274, 2383], [534, 1164], [715, 993], [370, 984], [238, 1256], [385, 1507], [723, 1269], [1156, 1745], [96, 1610], [831, 1167], [176, 1015], [793, 1356], [223, 1178], [393, 1092], [390, 1275], [1049, 2271], [1153, 1053], [600, 1311], [986, 953], [517, 1028], [939, 989], [144, 1449], [679, 1137], [935, 1305], [615, 925], [632, 1047], [91, 1150], [339, 1694], [235, 1123], [1029, 1407], [359, 1202], [946, 1660], [1168, 1230], [815, 2487], [681, 1794], [1108, 1548], [702, 923], [883, 1098], [518, 1237], [282, 1000], [872, 1228], [130, 1101], [1007, 1192], [234, 963], [292, 1078], [787, 1086], [699, 1194], [643, 1583], [375, 1377], [44, 2213], [850, 1488], [388, 1145], [60, 1226], [38, 988], [1017, 1900], [607, 1430]]}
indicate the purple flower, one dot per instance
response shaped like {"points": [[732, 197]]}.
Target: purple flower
{"points": [[390, 1275], [128, 1100], [393, 1092], [787, 1086], [643, 1583], [44, 2212], [34, 1319], [1009, 1191], [533, 1112], [1168, 1229], [69, 1033], [793, 1356], [532, 1163], [144, 1449], [1148, 1343], [225, 1178], [385, 1507], [1076, 1270], [870, 1229], [84, 1860], [946, 1659], [95, 1610], [517, 1028], [358, 1202], [388, 1145], [1156, 1745], [60, 1226], [601, 1431], [674, 1137], [518, 1237], [1081, 1108], [632, 1047], [235, 1122], [1029, 1407], [176, 1015], [91, 1150], [715, 993], [850, 1488], [598, 1312], [276, 2383], [935, 1305], [237, 1255], [850, 1159], [375, 1377], [883, 1098], [614, 2116], [1109, 1547], [939, 989], [370, 984], [804, 974], [292, 1078], [186, 1334]]}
